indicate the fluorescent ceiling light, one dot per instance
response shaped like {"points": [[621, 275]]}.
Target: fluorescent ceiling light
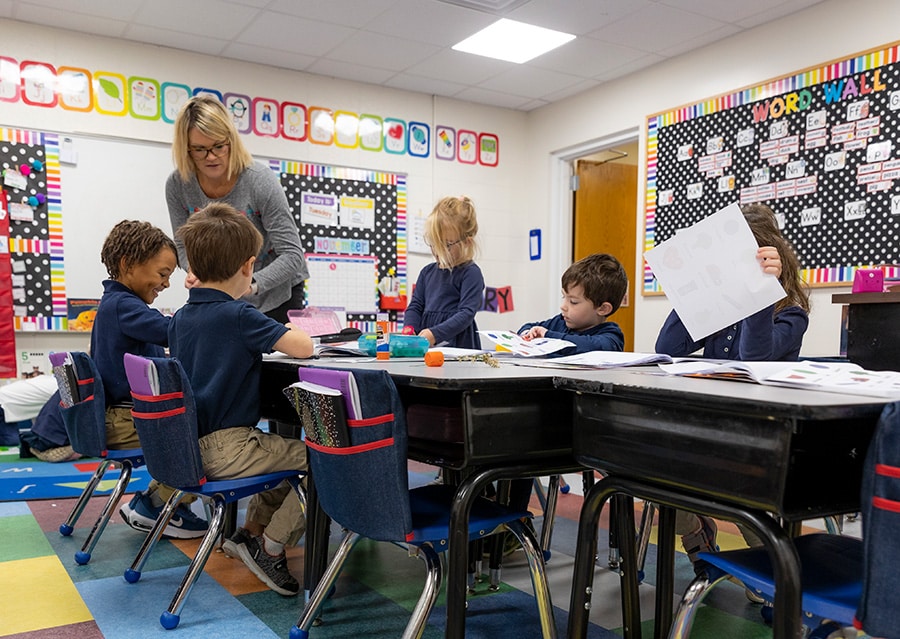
{"points": [[513, 41]]}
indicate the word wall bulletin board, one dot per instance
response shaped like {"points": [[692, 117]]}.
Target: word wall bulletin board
{"points": [[353, 229], [821, 148]]}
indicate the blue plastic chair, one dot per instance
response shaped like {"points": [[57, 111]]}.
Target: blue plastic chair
{"points": [[831, 579], [85, 424], [166, 421], [363, 486]]}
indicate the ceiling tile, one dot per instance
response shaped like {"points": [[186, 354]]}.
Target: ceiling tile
{"points": [[442, 24], [456, 66], [385, 52], [294, 34], [656, 28], [348, 71], [420, 84], [492, 98], [197, 17], [531, 83], [272, 57], [71, 21]]}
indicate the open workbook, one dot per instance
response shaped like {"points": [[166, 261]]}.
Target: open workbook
{"points": [[839, 377]]}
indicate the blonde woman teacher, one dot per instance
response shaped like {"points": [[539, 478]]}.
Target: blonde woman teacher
{"points": [[212, 165]]}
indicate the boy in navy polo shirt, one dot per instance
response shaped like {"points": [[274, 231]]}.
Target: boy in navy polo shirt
{"points": [[593, 288], [139, 259], [219, 340]]}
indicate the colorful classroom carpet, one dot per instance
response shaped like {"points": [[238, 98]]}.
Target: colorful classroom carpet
{"points": [[31, 478], [47, 596]]}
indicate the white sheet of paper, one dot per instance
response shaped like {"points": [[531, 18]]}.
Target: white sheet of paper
{"points": [[710, 273]]}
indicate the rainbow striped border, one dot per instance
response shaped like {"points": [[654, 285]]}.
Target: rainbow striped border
{"points": [[53, 245], [841, 68]]}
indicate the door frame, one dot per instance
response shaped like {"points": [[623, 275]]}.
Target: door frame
{"points": [[561, 223]]}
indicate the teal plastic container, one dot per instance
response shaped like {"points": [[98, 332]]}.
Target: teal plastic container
{"points": [[367, 343], [407, 345]]}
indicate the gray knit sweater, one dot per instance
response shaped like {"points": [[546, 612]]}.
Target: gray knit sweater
{"points": [[280, 265]]}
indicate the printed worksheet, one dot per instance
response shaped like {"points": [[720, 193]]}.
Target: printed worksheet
{"points": [[710, 273]]}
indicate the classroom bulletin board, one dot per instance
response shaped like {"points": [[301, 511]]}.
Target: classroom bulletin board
{"points": [[29, 163], [820, 147], [353, 229]]}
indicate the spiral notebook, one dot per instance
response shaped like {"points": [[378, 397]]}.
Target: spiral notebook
{"points": [[66, 379], [322, 411]]}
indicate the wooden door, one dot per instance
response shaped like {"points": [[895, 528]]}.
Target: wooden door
{"points": [[604, 222]]}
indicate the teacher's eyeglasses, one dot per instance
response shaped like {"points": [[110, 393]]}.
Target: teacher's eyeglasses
{"points": [[202, 152]]}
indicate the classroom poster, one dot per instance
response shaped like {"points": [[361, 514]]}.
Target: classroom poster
{"points": [[821, 148]]}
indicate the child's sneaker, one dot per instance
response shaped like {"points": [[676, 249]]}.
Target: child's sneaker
{"points": [[701, 540], [231, 546], [141, 514], [272, 571]]}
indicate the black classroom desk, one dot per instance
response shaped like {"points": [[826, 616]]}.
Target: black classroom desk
{"points": [[516, 424], [729, 449]]}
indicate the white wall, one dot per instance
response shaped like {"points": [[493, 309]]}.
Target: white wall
{"points": [[828, 31]]}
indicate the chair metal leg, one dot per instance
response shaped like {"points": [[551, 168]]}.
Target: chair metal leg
{"points": [[643, 541], [834, 524], [687, 609], [133, 574], [549, 514], [66, 528], [311, 611], [83, 556], [538, 577], [433, 578], [172, 616]]}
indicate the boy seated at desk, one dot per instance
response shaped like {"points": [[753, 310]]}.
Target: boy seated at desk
{"points": [[593, 289], [219, 340]]}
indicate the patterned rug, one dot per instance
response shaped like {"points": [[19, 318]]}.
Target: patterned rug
{"points": [[31, 478]]}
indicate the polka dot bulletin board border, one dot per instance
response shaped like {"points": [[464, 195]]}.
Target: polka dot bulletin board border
{"points": [[821, 147], [385, 241], [35, 247]]}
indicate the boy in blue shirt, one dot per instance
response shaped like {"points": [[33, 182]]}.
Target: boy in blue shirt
{"points": [[593, 289], [139, 259], [219, 340]]}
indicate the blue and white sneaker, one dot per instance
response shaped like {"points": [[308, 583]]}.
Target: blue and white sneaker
{"points": [[141, 514]]}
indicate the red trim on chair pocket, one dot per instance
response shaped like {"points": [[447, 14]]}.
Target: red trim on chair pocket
{"points": [[887, 471], [351, 450], [158, 398], [160, 414], [886, 504], [370, 421]]}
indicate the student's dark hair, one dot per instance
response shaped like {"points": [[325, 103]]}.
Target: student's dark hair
{"points": [[218, 240], [764, 225], [130, 243], [601, 276]]}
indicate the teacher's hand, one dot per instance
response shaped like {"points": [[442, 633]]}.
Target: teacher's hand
{"points": [[191, 281]]}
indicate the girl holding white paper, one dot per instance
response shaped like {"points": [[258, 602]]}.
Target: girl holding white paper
{"points": [[775, 333]]}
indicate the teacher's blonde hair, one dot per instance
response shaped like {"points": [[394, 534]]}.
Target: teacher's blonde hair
{"points": [[210, 117]]}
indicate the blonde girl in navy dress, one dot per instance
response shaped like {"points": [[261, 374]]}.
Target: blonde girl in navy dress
{"points": [[450, 290]]}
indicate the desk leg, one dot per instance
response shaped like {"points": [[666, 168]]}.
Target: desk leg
{"points": [[318, 524], [786, 624], [457, 560], [585, 556], [631, 602], [665, 572]]}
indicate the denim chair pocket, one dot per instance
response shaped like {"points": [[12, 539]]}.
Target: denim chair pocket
{"points": [[880, 512], [85, 420], [167, 427]]}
